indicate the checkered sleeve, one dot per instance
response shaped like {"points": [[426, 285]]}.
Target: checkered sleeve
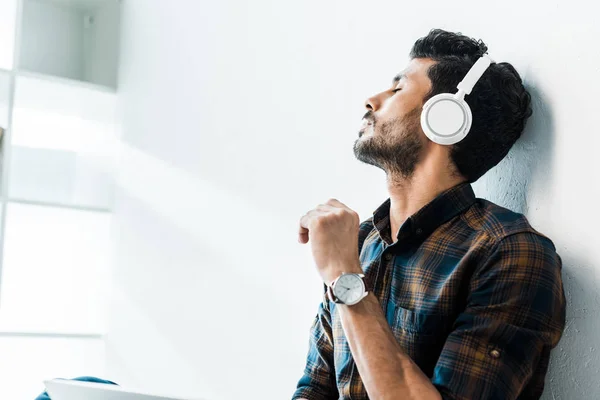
{"points": [[515, 312], [318, 381]]}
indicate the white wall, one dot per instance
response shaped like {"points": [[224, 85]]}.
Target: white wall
{"points": [[237, 118], [62, 143], [8, 10]]}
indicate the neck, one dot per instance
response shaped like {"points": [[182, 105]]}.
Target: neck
{"points": [[409, 194]]}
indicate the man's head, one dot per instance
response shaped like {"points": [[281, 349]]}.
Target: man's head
{"points": [[391, 137]]}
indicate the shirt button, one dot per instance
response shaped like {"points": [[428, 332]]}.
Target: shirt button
{"points": [[388, 257], [419, 231], [495, 354]]}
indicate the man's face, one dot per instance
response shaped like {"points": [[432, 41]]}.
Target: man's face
{"points": [[391, 137]]}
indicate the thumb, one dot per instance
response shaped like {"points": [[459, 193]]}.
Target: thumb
{"points": [[303, 235]]}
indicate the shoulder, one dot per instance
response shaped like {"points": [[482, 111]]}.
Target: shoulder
{"points": [[502, 226], [511, 250], [516, 256]]}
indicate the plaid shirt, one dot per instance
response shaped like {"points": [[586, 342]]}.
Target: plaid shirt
{"points": [[472, 293]]}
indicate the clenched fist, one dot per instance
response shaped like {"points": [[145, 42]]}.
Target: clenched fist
{"points": [[332, 229]]}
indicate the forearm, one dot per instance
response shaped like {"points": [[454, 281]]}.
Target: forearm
{"points": [[386, 371]]}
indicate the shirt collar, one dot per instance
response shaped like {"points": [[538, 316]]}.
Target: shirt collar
{"points": [[421, 224]]}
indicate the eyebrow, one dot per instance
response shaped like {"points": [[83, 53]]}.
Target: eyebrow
{"points": [[398, 77]]}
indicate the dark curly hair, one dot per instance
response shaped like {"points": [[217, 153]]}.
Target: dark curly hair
{"points": [[499, 102]]}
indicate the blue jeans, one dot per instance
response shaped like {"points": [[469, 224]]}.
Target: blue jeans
{"points": [[44, 396]]}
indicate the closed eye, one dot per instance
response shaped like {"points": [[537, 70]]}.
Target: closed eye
{"points": [[397, 90]]}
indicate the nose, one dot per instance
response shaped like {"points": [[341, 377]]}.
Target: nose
{"points": [[373, 103]]}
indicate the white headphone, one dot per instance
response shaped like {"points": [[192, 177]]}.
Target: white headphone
{"points": [[446, 118]]}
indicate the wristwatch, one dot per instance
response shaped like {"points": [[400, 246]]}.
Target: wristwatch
{"points": [[348, 289]]}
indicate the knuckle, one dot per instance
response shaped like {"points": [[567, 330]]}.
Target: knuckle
{"points": [[347, 213], [318, 222]]}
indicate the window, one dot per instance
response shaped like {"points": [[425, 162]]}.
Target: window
{"points": [[58, 134], [55, 269]]}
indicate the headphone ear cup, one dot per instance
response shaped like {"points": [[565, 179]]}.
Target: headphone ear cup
{"points": [[445, 119]]}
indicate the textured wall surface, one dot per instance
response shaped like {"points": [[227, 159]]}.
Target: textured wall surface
{"points": [[239, 117]]}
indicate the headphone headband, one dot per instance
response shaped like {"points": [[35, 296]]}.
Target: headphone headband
{"points": [[474, 74]]}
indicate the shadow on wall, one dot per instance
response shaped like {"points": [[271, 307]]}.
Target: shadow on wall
{"points": [[530, 160]]}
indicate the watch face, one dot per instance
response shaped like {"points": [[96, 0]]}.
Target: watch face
{"points": [[349, 288]]}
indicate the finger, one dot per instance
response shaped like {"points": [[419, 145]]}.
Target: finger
{"points": [[303, 235], [305, 223], [336, 203], [303, 230], [339, 206], [325, 208], [310, 216]]}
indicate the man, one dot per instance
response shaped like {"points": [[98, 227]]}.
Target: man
{"points": [[461, 298]]}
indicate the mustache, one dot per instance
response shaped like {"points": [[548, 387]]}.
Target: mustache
{"points": [[369, 116]]}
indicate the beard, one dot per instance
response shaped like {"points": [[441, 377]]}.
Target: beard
{"points": [[394, 146]]}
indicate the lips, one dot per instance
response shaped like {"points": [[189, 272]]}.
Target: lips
{"points": [[366, 123]]}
